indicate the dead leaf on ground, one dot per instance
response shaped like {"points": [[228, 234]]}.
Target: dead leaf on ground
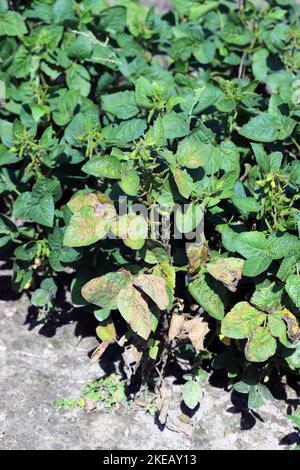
{"points": [[174, 423], [90, 405]]}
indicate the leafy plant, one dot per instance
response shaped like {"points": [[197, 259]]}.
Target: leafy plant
{"points": [[295, 418], [109, 391], [156, 160]]}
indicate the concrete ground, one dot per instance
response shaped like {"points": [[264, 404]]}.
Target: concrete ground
{"points": [[39, 364]]}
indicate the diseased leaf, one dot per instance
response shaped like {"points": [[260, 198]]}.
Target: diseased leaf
{"points": [[183, 181], [227, 270], [176, 326], [209, 300], [260, 346], [134, 309], [197, 330], [154, 287], [103, 291], [86, 227], [242, 320]]}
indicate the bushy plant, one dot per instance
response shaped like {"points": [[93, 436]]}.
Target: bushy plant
{"points": [[156, 158]]}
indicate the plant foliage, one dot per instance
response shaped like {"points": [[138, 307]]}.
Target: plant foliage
{"points": [[200, 107]]}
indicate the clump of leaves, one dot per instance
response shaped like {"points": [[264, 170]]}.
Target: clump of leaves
{"points": [[109, 391], [295, 418], [107, 109]]}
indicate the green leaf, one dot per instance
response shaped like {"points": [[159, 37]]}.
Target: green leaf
{"points": [[78, 79], [130, 183], [252, 245], [12, 24], [63, 11], [292, 357], [189, 153], [242, 387], [188, 218], [261, 157], [29, 206], [259, 64], [267, 297], [191, 394], [267, 128], [175, 125], [245, 204], [287, 266], [125, 132], [256, 265], [260, 346], [292, 286], [184, 182], [40, 298], [209, 300], [102, 314], [241, 321], [103, 291], [86, 227], [255, 399], [103, 167], [121, 104]]}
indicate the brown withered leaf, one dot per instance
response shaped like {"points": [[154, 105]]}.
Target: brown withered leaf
{"points": [[99, 351], [197, 254], [293, 328], [135, 310], [155, 287], [227, 270], [132, 359], [90, 405], [164, 403], [197, 330], [175, 424], [176, 326]]}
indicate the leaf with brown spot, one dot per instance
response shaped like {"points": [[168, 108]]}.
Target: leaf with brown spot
{"points": [[85, 228], [154, 287], [227, 270], [197, 254], [103, 290], [92, 199], [134, 309], [293, 328], [197, 330]]}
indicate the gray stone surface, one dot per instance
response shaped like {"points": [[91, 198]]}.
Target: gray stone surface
{"points": [[36, 369]]}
